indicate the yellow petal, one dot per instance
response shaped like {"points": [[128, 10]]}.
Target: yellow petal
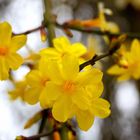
{"points": [[116, 70], [5, 33], [70, 67], [62, 109], [4, 69], [136, 73], [55, 72], [31, 96], [95, 90], [44, 101], [19, 90], [78, 49], [50, 53], [61, 43], [100, 108], [80, 99], [135, 49], [90, 77], [33, 78], [33, 120], [85, 119], [14, 60], [123, 77], [17, 42], [43, 66], [51, 91]]}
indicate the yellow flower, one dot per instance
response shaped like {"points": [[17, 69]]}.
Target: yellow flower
{"points": [[62, 46], [104, 24], [129, 66], [36, 80], [18, 91], [9, 45], [92, 49], [74, 93]]}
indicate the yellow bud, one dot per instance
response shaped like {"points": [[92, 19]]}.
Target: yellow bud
{"points": [[71, 136], [123, 63], [43, 34], [33, 120], [56, 136], [20, 138]]}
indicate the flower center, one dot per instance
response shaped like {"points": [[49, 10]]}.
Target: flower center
{"points": [[3, 51], [44, 81], [68, 86]]}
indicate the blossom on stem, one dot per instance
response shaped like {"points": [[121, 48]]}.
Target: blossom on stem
{"points": [[62, 46], [74, 93], [36, 81], [129, 63], [9, 45], [18, 91]]}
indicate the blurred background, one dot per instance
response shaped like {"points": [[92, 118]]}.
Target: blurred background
{"points": [[124, 122]]}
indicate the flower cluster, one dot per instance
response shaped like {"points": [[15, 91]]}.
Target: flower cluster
{"points": [[128, 65], [9, 45], [58, 84]]}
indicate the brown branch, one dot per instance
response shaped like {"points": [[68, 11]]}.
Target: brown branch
{"points": [[97, 31], [30, 31], [93, 60], [35, 137], [113, 48], [83, 29]]}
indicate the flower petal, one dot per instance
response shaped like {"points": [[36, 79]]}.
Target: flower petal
{"points": [[4, 69], [44, 101], [17, 42], [61, 44], [14, 60], [135, 49], [33, 78], [55, 72], [50, 53], [31, 96], [124, 77], [95, 90], [80, 98], [43, 66], [78, 49], [85, 119], [70, 67], [62, 109], [5, 33], [115, 70], [90, 77], [52, 91], [100, 108]]}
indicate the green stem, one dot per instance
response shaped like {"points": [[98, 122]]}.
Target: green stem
{"points": [[48, 21], [64, 133], [51, 34]]}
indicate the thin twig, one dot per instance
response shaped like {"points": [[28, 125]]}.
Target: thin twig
{"points": [[97, 31], [30, 31], [51, 34], [93, 60], [85, 30], [113, 48], [35, 137]]}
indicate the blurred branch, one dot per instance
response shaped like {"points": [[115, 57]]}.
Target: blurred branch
{"points": [[36, 137], [48, 21], [113, 48], [76, 28], [51, 34], [30, 31], [97, 31]]}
